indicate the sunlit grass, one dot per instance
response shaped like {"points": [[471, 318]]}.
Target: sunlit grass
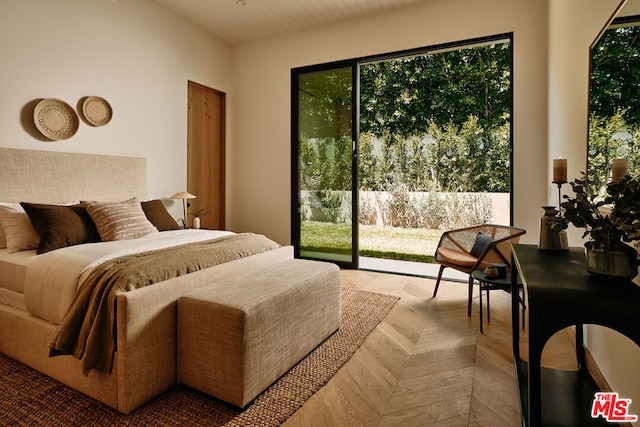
{"points": [[408, 244]]}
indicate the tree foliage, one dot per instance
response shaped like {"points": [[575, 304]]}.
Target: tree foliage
{"points": [[615, 74], [428, 122], [401, 97], [325, 104], [614, 119], [325, 127], [606, 142]]}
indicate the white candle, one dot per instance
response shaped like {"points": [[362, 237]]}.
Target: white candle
{"points": [[618, 169], [559, 171]]}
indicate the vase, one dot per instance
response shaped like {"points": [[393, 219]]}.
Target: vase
{"points": [[612, 264], [196, 222], [551, 240]]}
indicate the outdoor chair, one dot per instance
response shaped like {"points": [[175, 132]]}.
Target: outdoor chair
{"points": [[474, 248]]}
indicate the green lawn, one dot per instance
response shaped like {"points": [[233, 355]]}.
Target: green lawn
{"points": [[407, 244]]}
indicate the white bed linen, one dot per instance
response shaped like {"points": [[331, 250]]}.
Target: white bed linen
{"points": [[12, 299], [13, 268], [52, 278]]}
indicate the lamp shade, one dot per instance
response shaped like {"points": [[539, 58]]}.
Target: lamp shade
{"points": [[183, 195]]}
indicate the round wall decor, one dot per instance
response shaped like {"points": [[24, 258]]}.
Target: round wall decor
{"points": [[96, 110], [55, 119]]}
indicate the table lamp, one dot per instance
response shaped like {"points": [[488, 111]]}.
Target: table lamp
{"points": [[184, 196]]}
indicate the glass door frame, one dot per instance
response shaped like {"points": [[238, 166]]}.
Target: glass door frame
{"points": [[295, 158]]}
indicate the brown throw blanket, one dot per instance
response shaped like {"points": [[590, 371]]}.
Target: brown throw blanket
{"points": [[87, 330]]}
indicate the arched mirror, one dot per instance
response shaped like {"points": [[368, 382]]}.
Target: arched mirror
{"points": [[614, 98]]}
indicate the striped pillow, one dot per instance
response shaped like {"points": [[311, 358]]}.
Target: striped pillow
{"points": [[120, 220]]}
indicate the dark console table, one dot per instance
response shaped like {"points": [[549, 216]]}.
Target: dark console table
{"points": [[559, 293]]}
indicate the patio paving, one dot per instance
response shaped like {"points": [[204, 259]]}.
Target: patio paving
{"points": [[420, 269]]}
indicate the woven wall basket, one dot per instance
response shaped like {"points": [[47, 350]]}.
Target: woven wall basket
{"points": [[55, 119], [96, 110]]}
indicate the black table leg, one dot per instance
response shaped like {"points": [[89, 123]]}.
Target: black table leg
{"points": [[580, 347], [488, 305], [481, 315]]}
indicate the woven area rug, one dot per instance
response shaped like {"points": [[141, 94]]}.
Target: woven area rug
{"points": [[28, 397]]}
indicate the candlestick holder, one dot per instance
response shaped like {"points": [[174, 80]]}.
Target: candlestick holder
{"points": [[559, 184]]}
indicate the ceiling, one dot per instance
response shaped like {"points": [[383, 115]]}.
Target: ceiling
{"points": [[242, 20]]}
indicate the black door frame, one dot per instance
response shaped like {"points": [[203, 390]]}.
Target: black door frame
{"points": [[295, 155], [355, 64]]}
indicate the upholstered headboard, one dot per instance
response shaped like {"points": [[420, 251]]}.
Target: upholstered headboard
{"points": [[55, 177]]}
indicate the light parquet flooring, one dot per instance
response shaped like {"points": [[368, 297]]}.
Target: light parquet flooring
{"points": [[427, 364]]}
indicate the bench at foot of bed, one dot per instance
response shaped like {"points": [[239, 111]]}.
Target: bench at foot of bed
{"points": [[237, 336]]}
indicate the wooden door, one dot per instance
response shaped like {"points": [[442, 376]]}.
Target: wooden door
{"points": [[206, 155]]}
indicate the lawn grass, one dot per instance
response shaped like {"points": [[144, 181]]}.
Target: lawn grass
{"points": [[406, 244]]}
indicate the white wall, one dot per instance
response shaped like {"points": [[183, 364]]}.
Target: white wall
{"points": [[260, 153], [133, 53]]}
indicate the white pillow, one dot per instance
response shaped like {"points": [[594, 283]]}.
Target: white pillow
{"points": [[120, 220], [19, 234]]}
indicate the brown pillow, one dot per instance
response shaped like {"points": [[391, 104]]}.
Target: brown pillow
{"points": [[60, 226], [158, 215], [120, 220]]}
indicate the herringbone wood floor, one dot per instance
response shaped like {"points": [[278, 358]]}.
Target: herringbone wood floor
{"points": [[427, 364]]}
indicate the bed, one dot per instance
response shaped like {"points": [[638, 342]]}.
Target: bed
{"points": [[144, 363]]}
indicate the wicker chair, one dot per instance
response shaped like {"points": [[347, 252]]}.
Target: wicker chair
{"points": [[474, 248]]}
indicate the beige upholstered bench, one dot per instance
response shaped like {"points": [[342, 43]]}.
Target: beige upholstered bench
{"points": [[239, 335]]}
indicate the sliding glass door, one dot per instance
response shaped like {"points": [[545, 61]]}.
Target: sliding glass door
{"points": [[432, 131], [324, 125]]}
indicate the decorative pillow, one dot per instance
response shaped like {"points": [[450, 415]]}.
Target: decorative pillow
{"points": [[481, 243], [19, 233], [3, 239], [120, 220], [61, 226], [158, 215]]}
